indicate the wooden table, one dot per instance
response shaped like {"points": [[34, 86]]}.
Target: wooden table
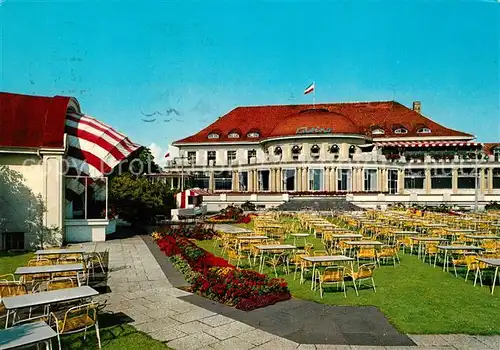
{"points": [[492, 262], [27, 334], [322, 259], [46, 298], [263, 248]]}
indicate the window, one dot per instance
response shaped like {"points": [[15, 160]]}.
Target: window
{"points": [[191, 156], [414, 179], [289, 179], [13, 240], [263, 176], [233, 135], [315, 179], [344, 179], [213, 136], [370, 180], [201, 180], [392, 181], [231, 156], [278, 151], [352, 150], [253, 135], [86, 197], [400, 131], [441, 178], [378, 131], [496, 154], [223, 180], [424, 131], [251, 154], [243, 176], [496, 178], [466, 178], [315, 152], [296, 152], [211, 156]]}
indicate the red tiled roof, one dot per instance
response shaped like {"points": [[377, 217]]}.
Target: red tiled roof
{"points": [[489, 147], [32, 121], [356, 117]]}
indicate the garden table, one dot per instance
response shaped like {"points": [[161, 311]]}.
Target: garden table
{"points": [[270, 247], [46, 298], [27, 334], [494, 263], [251, 237], [50, 269], [346, 235], [322, 259], [362, 243], [447, 248], [425, 239]]}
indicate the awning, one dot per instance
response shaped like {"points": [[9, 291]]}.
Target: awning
{"points": [[196, 192], [429, 144]]}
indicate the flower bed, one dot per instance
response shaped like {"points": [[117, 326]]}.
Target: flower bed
{"points": [[198, 231], [214, 278], [231, 215]]}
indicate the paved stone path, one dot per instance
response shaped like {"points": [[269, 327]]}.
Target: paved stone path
{"points": [[140, 290]]}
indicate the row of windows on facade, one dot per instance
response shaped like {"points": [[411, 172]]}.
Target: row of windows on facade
{"points": [[295, 152], [413, 179], [375, 131]]}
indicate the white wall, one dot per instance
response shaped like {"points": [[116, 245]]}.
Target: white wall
{"points": [[23, 177]]}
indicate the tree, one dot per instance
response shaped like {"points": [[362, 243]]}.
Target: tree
{"points": [[139, 163], [137, 200]]}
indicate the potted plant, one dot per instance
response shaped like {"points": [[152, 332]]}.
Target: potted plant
{"points": [[111, 228]]}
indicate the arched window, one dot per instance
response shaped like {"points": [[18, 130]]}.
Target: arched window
{"points": [[296, 152], [352, 150], [424, 131], [400, 131], [233, 135], [315, 151], [334, 149], [253, 135], [278, 151], [213, 135]]}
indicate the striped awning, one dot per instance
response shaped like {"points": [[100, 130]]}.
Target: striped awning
{"points": [[424, 144], [94, 148]]}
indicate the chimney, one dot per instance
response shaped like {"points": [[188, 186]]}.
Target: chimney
{"points": [[417, 107]]}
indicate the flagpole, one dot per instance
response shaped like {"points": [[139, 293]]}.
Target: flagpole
{"points": [[314, 94]]}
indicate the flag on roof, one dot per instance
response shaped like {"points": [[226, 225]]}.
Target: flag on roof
{"points": [[309, 89], [167, 155]]}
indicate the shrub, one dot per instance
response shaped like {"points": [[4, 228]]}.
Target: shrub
{"points": [[248, 206]]}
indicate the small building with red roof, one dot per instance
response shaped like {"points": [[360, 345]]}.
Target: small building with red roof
{"points": [[52, 162]]}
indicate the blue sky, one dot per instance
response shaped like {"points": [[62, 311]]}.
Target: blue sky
{"points": [[122, 59]]}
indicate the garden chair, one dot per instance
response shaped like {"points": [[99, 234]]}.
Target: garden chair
{"points": [[331, 275], [388, 252], [366, 253], [277, 260], [489, 246], [431, 250], [10, 289], [297, 261], [9, 277], [308, 248], [77, 319], [364, 273], [60, 283], [233, 254]]}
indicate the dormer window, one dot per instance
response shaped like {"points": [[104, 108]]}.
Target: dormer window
{"points": [[213, 136], [296, 152], [253, 135], [278, 151], [315, 152], [378, 131], [400, 131], [233, 135], [424, 131], [352, 150]]}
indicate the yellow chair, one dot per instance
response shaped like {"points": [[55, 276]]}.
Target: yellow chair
{"points": [[277, 260], [431, 250], [364, 273], [10, 289], [299, 262], [367, 253], [77, 319], [235, 255], [388, 252], [331, 275], [61, 283]]}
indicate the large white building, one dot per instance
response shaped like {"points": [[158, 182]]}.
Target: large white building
{"points": [[374, 153]]}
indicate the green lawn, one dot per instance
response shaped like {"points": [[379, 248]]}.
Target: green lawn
{"points": [[114, 336], [416, 298]]}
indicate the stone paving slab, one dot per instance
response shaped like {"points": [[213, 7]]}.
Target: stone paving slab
{"points": [[141, 291]]}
